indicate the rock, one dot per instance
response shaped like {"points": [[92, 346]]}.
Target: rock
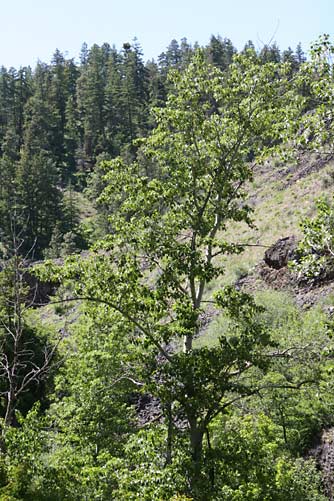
{"points": [[279, 254], [39, 292], [323, 452]]}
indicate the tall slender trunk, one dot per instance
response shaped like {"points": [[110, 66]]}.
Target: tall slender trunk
{"points": [[9, 419], [188, 338], [169, 434], [10, 409], [187, 343], [211, 467], [196, 446]]}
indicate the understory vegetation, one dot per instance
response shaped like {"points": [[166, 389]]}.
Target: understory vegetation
{"points": [[136, 200]]}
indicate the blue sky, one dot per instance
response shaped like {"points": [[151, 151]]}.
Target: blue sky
{"points": [[33, 29]]}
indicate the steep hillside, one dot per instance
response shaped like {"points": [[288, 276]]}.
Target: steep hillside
{"points": [[281, 196]]}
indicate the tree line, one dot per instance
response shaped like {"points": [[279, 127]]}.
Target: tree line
{"points": [[57, 120]]}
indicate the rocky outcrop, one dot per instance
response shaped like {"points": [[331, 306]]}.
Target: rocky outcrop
{"points": [[274, 273], [279, 254], [39, 292]]}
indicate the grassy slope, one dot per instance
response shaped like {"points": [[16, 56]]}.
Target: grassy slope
{"points": [[60, 317], [281, 197]]}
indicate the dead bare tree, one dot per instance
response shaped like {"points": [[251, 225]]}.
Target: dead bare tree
{"points": [[25, 360]]}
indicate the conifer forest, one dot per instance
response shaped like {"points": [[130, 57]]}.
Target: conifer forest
{"points": [[167, 274]]}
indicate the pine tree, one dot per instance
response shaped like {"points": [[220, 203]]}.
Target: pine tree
{"points": [[157, 90], [220, 52], [37, 173], [15, 90], [249, 48], [186, 52], [39, 200], [84, 54], [134, 92], [270, 54], [23, 91], [9, 201], [71, 139], [90, 96], [300, 56], [6, 101], [114, 112], [288, 56]]}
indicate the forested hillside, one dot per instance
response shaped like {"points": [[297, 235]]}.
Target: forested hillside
{"points": [[59, 120], [145, 352]]}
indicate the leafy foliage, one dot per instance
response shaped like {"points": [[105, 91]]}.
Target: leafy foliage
{"points": [[316, 250]]}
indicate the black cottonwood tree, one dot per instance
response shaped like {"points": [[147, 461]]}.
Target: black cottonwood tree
{"points": [[166, 243]]}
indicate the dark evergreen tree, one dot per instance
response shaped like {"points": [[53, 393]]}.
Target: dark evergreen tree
{"points": [[58, 98], [90, 95], [70, 122], [9, 201], [23, 91], [249, 48], [71, 138], [186, 52], [39, 201], [114, 110], [300, 56], [173, 54], [134, 92], [220, 52], [270, 54], [288, 56], [15, 90], [7, 87], [84, 54], [157, 91], [38, 169]]}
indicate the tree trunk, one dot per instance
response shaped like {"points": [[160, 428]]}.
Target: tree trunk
{"points": [[9, 419], [211, 469], [10, 409], [187, 343], [169, 434], [196, 444]]}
